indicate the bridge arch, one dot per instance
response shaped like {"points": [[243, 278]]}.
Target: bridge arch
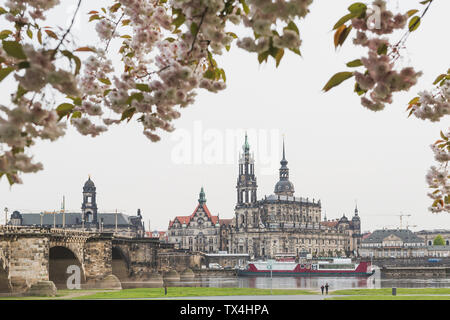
{"points": [[60, 259], [120, 263]]}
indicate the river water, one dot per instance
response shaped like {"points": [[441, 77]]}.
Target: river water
{"points": [[314, 283]]}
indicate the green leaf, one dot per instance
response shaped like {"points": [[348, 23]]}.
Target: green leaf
{"points": [[105, 81], [209, 74], [128, 114], [245, 6], [263, 56], [439, 78], [337, 79], [222, 73], [412, 12], [354, 63], [76, 114], [143, 87], [5, 34], [24, 65], [292, 26], [414, 23], [64, 109], [115, 7], [278, 56], [358, 89], [179, 20], [14, 49], [296, 51], [5, 72], [344, 19], [414, 100], [358, 8], [382, 50], [194, 28], [135, 96], [73, 57], [19, 94]]}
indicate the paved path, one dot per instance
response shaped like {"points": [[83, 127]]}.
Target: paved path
{"points": [[258, 297]]}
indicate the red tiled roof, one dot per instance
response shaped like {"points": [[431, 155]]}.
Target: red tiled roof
{"points": [[225, 221], [331, 224], [187, 219]]}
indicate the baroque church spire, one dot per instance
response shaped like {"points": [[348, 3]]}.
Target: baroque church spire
{"points": [[246, 182], [284, 186]]}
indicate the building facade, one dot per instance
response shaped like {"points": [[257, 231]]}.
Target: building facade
{"points": [[393, 243], [281, 223], [88, 219], [201, 231], [428, 236]]}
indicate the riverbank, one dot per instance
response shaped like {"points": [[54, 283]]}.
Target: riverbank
{"points": [[266, 294]]}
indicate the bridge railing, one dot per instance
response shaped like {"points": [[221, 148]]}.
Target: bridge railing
{"points": [[43, 230]]}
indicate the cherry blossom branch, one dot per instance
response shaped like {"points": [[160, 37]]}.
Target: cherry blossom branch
{"points": [[67, 31], [198, 31], [406, 35], [114, 31]]}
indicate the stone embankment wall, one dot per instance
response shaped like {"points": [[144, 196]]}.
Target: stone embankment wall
{"points": [[410, 262], [414, 272]]}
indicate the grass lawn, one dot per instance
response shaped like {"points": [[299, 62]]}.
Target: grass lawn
{"points": [[189, 292], [386, 297], [388, 291]]}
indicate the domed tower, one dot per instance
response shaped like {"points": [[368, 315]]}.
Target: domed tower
{"points": [[284, 186], [89, 205]]}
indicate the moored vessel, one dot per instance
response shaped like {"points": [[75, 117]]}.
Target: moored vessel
{"points": [[336, 267]]}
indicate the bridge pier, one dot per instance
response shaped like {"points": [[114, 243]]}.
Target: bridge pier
{"points": [[28, 262], [97, 259]]}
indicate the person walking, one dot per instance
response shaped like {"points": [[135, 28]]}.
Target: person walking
{"points": [[326, 287], [321, 288]]}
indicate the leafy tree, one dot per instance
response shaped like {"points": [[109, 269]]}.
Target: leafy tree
{"points": [[438, 241], [167, 51]]}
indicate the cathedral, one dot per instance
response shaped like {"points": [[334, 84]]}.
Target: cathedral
{"points": [[283, 224], [276, 225]]}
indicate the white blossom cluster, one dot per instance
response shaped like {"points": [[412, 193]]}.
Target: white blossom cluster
{"points": [[438, 177], [263, 15], [38, 7], [167, 50], [381, 80], [18, 129], [433, 106]]}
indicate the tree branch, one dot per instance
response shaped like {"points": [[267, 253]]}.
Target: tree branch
{"points": [[67, 31], [198, 30], [114, 31]]}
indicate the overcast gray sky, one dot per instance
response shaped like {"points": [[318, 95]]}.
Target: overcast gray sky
{"points": [[338, 151]]}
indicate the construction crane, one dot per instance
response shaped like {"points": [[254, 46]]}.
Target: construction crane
{"points": [[401, 217]]}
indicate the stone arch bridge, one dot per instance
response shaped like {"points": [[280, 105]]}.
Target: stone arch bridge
{"points": [[32, 254]]}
